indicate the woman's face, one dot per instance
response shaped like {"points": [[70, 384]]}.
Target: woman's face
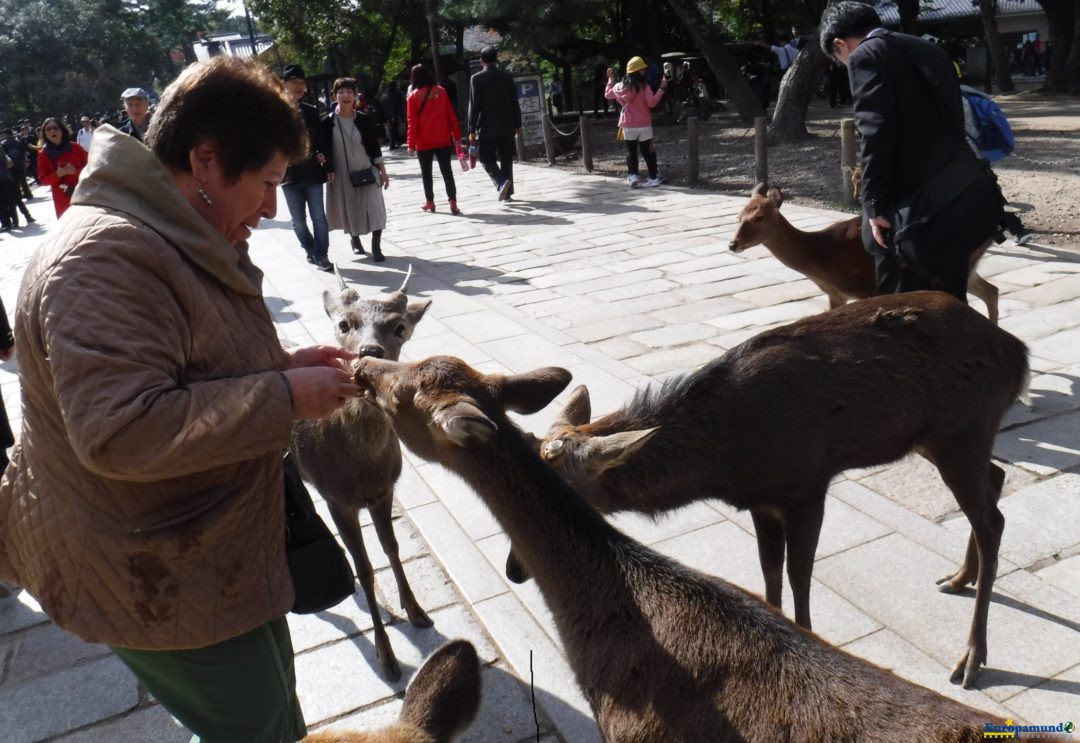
{"points": [[346, 99], [52, 132], [238, 207]]}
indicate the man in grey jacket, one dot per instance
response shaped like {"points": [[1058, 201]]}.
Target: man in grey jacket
{"points": [[494, 120]]}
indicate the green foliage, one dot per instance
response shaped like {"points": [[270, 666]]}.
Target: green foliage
{"points": [[66, 57]]}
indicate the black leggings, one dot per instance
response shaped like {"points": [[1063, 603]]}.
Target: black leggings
{"points": [[647, 151], [443, 154]]}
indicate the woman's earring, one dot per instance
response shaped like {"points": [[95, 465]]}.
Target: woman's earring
{"points": [[204, 196]]}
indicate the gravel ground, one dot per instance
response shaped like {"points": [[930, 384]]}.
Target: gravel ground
{"points": [[1046, 191]]}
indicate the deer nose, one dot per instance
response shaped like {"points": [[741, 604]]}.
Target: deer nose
{"points": [[733, 246], [374, 352]]}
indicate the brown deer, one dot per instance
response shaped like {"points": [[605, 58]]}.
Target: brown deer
{"points": [[662, 652], [353, 456], [440, 702], [766, 426], [834, 257]]}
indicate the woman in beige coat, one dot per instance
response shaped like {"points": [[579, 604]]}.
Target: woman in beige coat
{"points": [[143, 507]]}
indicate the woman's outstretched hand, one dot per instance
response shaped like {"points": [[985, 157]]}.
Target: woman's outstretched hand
{"points": [[317, 391], [332, 356]]}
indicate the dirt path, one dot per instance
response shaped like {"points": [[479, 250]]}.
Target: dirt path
{"points": [[1045, 190]]}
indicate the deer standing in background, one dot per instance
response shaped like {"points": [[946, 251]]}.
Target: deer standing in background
{"points": [[441, 701], [353, 457], [833, 258], [766, 427], [662, 652]]}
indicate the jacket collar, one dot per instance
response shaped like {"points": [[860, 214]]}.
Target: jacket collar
{"points": [[123, 175]]}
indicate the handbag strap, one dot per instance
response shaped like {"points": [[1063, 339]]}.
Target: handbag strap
{"points": [[344, 148]]}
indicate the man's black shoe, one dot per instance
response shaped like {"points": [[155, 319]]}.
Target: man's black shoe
{"points": [[325, 265]]}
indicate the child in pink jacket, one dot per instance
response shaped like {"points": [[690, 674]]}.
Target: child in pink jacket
{"points": [[637, 100]]}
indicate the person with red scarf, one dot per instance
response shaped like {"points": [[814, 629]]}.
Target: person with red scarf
{"points": [[59, 163], [431, 130]]}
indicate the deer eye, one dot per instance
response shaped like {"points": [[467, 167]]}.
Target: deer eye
{"points": [[400, 331], [343, 326], [760, 218]]}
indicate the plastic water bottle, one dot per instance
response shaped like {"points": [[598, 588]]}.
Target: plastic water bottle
{"points": [[473, 154]]}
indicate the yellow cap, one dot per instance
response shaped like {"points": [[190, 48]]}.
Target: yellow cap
{"points": [[636, 64]]}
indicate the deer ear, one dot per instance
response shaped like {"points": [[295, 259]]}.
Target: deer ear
{"points": [[398, 301], [444, 696], [463, 421], [759, 189], [330, 304], [605, 452], [577, 411], [776, 196], [415, 311], [531, 391]]}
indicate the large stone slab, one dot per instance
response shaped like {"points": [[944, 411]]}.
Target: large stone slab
{"points": [[1064, 574], [42, 650], [457, 554], [151, 723]]}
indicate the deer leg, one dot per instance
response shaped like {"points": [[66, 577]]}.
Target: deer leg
{"points": [[347, 519], [382, 518], [770, 545], [801, 529], [835, 300], [969, 571], [966, 473], [985, 291]]}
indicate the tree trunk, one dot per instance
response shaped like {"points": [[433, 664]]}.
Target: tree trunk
{"points": [[723, 64], [909, 14], [1069, 79], [797, 89], [1059, 13], [1000, 60]]}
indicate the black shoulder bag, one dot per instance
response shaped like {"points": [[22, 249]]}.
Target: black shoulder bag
{"points": [[320, 571], [357, 178]]}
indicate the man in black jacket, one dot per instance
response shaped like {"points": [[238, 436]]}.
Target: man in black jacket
{"points": [[908, 111], [303, 181], [494, 120]]}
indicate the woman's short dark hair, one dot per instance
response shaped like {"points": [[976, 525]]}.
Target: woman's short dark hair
{"points": [[846, 19], [419, 77], [238, 103], [344, 82], [64, 133]]}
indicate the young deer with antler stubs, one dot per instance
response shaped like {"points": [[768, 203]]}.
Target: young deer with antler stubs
{"points": [[662, 652], [353, 456], [440, 702], [766, 426], [833, 258]]}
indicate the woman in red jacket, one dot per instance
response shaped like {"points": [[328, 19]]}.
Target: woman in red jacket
{"points": [[59, 163], [431, 131]]}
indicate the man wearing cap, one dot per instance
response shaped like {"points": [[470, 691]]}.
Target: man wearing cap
{"points": [[86, 133], [303, 181], [137, 108], [494, 119]]}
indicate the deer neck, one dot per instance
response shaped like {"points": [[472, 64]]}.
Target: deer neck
{"points": [[569, 548], [793, 247]]}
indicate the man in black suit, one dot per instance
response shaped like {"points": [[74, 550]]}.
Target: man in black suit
{"points": [[494, 120], [908, 111]]}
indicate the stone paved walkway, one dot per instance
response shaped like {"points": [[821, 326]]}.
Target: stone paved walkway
{"points": [[623, 288]]}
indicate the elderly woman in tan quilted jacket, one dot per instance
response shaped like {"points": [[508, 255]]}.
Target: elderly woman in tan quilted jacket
{"points": [[143, 507]]}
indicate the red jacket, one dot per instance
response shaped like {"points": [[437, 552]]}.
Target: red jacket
{"points": [[434, 127], [46, 174]]}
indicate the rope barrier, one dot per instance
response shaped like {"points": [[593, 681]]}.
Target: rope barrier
{"points": [[1066, 161], [560, 132]]}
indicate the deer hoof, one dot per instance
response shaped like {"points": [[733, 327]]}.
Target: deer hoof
{"points": [[419, 617], [966, 669], [955, 583], [389, 665]]}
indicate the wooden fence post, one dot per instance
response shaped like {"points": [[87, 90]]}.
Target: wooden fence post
{"points": [[692, 170], [761, 151], [847, 158], [549, 140], [519, 140], [586, 141]]}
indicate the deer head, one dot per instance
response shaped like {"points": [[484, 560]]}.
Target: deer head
{"points": [[374, 327], [442, 402], [758, 219]]}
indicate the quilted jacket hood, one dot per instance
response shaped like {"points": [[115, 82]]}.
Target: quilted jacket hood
{"points": [[125, 176]]}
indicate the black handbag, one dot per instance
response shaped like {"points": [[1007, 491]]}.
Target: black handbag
{"points": [[360, 178], [321, 574]]}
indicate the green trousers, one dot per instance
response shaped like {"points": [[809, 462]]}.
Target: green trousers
{"points": [[241, 690]]}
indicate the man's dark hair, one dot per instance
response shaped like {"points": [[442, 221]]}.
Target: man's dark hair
{"points": [[419, 77], [489, 55], [259, 121], [846, 19]]}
